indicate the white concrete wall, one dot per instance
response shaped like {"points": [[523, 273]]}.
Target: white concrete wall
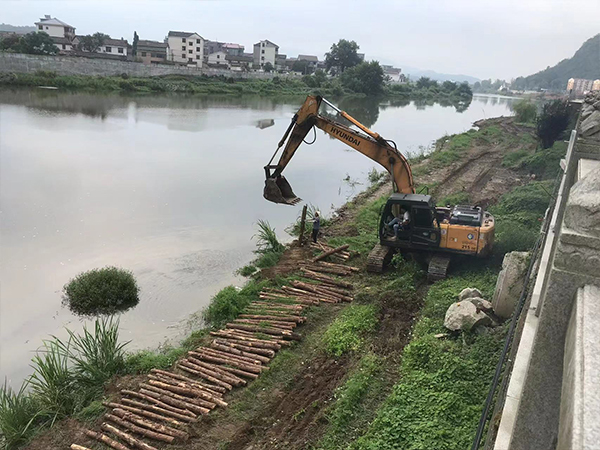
{"points": [[114, 50], [218, 58], [52, 30]]}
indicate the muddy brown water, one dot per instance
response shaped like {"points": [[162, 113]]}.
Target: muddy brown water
{"points": [[168, 187]]}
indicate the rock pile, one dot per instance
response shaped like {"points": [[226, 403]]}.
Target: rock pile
{"points": [[590, 116], [471, 311]]}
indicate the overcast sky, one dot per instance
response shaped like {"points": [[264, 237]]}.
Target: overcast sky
{"points": [[486, 39]]}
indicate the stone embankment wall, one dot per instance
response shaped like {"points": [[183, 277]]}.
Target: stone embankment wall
{"points": [[71, 65]]}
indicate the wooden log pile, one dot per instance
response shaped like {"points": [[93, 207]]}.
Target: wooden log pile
{"points": [[341, 256], [165, 404]]}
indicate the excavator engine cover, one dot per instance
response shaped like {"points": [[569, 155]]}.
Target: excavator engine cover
{"points": [[278, 190]]}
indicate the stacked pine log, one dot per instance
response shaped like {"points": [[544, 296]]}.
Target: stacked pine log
{"points": [[341, 256], [168, 401]]}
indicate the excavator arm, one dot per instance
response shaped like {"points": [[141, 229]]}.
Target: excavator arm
{"points": [[369, 143]]}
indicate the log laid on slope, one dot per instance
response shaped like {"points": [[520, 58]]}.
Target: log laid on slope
{"points": [[326, 279], [225, 348], [137, 420], [226, 361], [105, 440], [215, 368], [193, 369], [186, 389], [157, 410], [78, 447], [247, 340], [170, 400], [215, 390], [264, 330], [126, 437], [139, 430], [330, 252], [143, 412], [232, 343], [277, 318], [163, 405]]}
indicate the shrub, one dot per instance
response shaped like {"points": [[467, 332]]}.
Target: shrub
{"points": [[375, 176], [347, 332], [229, 302], [146, 360], [247, 270], [101, 291], [525, 111], [511, 237], [552, 121]]}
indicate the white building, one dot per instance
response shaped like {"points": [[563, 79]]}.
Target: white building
{"points": [[265, 52], [55, 27], [185, 48], [110, 46], [218, 59]]}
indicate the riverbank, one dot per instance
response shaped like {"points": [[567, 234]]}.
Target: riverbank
{"points": [[452, 94], [345, 383]]}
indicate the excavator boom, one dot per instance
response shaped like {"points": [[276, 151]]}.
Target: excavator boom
{"points": [[371, 144]]}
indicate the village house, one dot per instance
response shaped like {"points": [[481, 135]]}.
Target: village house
{"points": [[280, 61], [218, 60], [265, 52], [151, 52], [240, 63], [229, 48], [394, 74], [185, 48], [116, 48], [61, 33]]}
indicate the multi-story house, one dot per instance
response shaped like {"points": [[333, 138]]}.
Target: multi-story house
{"points": [[55, 27], [233, 49], [265, 52], [185, 48], [211, 47], [61, 33], [240, 63], [151, 51]]}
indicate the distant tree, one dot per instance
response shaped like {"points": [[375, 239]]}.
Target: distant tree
{"points": [[10, 43], [342, 55], [552, 121], [91, 43], [477, 86], [268, 67], [38, 43], [525, 111], [301, 66], [134, 46], [449, 86], [365, 78], [320, 77], [464, 91], [426, 83]]}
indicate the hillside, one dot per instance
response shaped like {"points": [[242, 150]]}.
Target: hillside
{"points": [[585, 63], [16, 29], [414, 74]]}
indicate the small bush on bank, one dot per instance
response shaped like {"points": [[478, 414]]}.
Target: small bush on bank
{"points": [[375, 176], [101, 291], [229, 302], [347, 332], [145, 360], [525, 111], [552, 121], [247, 270]]}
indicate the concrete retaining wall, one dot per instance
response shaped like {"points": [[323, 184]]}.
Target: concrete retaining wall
{"points": [[72, 65]]}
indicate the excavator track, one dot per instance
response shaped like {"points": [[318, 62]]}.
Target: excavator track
{"points": [[378, 258], [438, 266]]}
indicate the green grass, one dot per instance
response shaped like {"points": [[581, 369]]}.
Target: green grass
{"points": [[229, 302], [21, 415], [145, 360], [347, 333], [459, 198], [443, 382], [352, 407]]}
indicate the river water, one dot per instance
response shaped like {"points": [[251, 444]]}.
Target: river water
{"points": [[168, 187]]}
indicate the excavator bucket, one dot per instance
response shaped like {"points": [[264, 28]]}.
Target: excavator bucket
{"points": [[278, 190]]}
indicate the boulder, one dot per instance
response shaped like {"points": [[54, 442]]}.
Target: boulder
{"points": [[465, 316], [469, 293], [591, 125], [509, 283], [481, 304], [583, 209]]}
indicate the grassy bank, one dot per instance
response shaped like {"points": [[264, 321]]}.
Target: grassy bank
{"points": [[372, 374], [202, 85]]}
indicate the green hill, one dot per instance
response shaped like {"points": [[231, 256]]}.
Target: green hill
{"points": [[585, 63]]}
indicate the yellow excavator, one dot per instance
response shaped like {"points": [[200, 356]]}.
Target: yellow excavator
{"points": [[438, 232]]}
